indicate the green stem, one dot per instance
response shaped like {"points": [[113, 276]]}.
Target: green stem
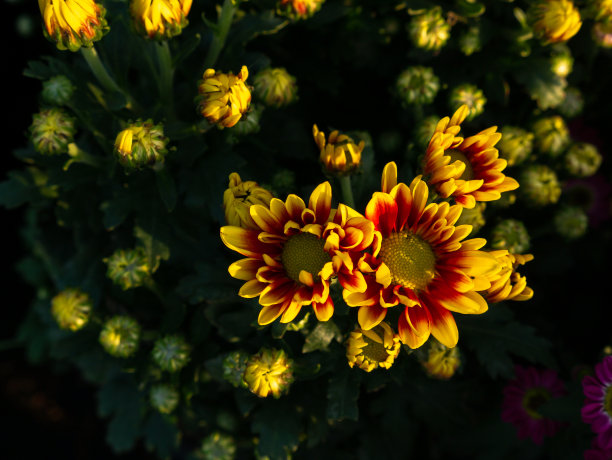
{"points": [[223, 26], [166, 71], [347, 190]]}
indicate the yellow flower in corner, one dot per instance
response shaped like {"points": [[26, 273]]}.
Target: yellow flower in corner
{"points": [[370, 349], [159, 19], [73, 23], [239, 197], [224, 97], [469, 170], [340, 154], [268, 372], [508, 284], [555, 20]]}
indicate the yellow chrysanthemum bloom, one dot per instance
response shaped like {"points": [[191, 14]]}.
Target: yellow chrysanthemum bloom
{"points": [[224, 97], [239, 197], [268, 372], [442, 362], [340, 154], [370, 349], [299, 9], [159, 19], [508, 284], [71, 309], [469, 170], [73, 23], [276, 87], [555, 20]]}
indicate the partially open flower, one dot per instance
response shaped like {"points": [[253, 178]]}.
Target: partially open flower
{"points": [[51, 131], [120, 336], [554, 20], [441, 362], [224, 97], [239, 197], [276, 87], [71, 308], [73, 23], [429, 30], [141, 144], [159, 19], [339, 154], [370, 349], [508, 284], [269, 372]]}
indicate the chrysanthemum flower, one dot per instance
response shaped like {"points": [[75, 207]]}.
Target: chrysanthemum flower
{"points": [[224, 97], [555, 20], [295, 251], [339, 154], [524, 395], [421, 263], [120, 336], [470, 95], [159, 19], [600, 9], [508, 284], [551, 135], [299, 9], [370, 349], [71, 308], [417, 85], [140, 144], [268, 372], [470, 169], [239, 197], [597, 452], [597, 408], [539, 185], [442, 362], [128, 268], [429, 30], [276, 87], [171, 353]]}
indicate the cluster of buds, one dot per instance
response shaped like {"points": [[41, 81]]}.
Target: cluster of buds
{"points": [[159, 19], [340, 154], [141, 144], [224, 97]]}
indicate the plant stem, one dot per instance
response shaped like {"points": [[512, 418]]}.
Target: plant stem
{"points": [[224, 23], [166, 75], [347, 190]]}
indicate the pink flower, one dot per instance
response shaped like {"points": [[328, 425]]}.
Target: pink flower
{"points": [[597, 408], [523, 397]]}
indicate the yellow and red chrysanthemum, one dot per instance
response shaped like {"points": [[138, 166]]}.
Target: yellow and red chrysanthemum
{"points": [[295, 251], [508, 284], [469, 170], [421, 263]]}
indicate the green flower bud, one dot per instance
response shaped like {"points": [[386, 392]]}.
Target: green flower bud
{"points": [[218, 446], [57, 90], [164, 398], [429, 30], [128, 268], [571, 222], [141, 144], [424, 130], [515, 145], [275, 87], [51, 131], [71, 309], [234, 365], [120, 336], [573, 103], [551, 135], [510, 234], [582, 159], [539, 185], [474, 217], [469, 95], [171, 353], [470, 41], [417, 85], [561, 61]]}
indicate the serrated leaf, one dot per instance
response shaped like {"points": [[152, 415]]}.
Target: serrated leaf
{"points": [[160, 435], [321, 336], [342, 395], [279, 429], [123, 430]]}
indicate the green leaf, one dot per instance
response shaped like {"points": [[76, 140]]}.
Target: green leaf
{"points": [[17, 190], [342, 395], [279, 429], [114, 212], [123, 430], [155, 250], [167, 188], [470, 8], [321, 336], [160, 435]]}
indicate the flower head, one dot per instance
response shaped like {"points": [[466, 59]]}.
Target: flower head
{"points": [[120, 336], [299, 9], [339, 154], [218, 446], [51, 131], [57, 90], [417, 85], [469, 169], [524, 395], [159, 19], [171, 353], [551, 135], [370, 349], [164, 398], [597, 408], [73, 23], [268, 372], [441, 362], [239, 197], [421, 263], [582, 159], [554, 20], [295, 251], [515, 145], [510, 234], [539, 185], [471, 96], [429, 30], [276, 87], [128, 268], [71, 308], [508, 284], [224, 97], [141, 144]]}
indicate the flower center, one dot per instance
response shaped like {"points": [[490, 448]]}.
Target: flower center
{"points": [[533, 399], [374, 351], [304, 251], [410, 259], [454, 154]]}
